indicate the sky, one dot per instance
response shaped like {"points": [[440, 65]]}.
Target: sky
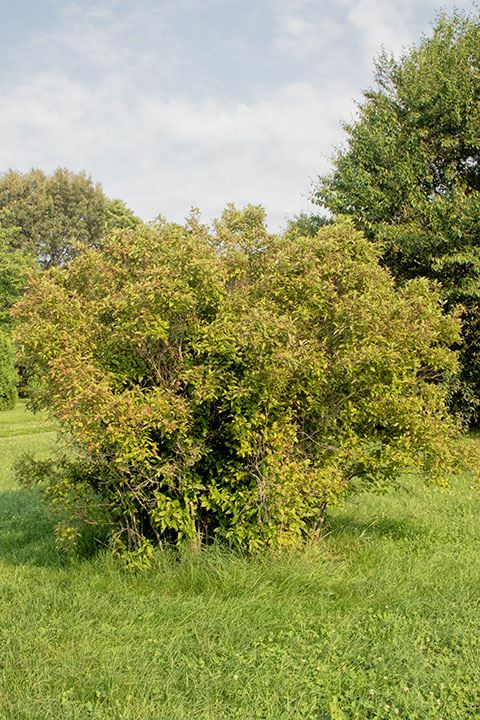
{"points": [[173, 104]]}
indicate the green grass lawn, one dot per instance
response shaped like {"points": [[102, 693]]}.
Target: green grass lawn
{"points": [[381, 620]]}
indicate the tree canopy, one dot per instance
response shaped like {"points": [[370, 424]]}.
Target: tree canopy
{"points": [[409, 174], [13, 267], [8, 374], [58, 213]]}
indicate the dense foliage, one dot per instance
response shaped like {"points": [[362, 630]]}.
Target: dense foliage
{"points": [[232, 383], [8, 375], [57, 213], [13, 267], [409, 175], [306, 224]]}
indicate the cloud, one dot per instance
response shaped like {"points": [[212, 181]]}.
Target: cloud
{"points": [[387, 24], [301, 37], [358, 29], [165, 154], [149, 99]]}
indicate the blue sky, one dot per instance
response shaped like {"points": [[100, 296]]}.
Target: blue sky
{"points": [[179, 103]]}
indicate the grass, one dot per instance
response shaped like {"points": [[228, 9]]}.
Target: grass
{"points": [[380, 620]]}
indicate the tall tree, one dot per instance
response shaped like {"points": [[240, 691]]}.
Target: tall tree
{"points": [[58, 213], [409, 175]]}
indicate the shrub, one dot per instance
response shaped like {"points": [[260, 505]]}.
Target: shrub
{"points": [[8, 374], [233, 384]]}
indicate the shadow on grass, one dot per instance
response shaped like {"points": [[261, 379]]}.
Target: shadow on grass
{"points": [[27, 535], [26, 531], [380, 527]]}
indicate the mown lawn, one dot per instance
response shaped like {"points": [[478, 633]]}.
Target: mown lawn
{"points": [[381, 620]]}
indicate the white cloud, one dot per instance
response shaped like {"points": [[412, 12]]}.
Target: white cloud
{"points": [[107, 90], [303, 38], [309, 28], [165, 154], [386, 24]]}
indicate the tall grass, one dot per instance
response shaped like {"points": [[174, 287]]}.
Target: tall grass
{"points": [[379, 620]]}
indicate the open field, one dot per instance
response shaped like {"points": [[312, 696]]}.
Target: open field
{"points": [[384, 615]]}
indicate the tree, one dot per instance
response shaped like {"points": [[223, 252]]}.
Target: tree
{"points": [[14, 265], [306, 224], [56, 214], [409, 176], [120, 217], [230, 383], [8, 374]]}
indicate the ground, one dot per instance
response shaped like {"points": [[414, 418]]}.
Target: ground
{"points": [[380, 620]]}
